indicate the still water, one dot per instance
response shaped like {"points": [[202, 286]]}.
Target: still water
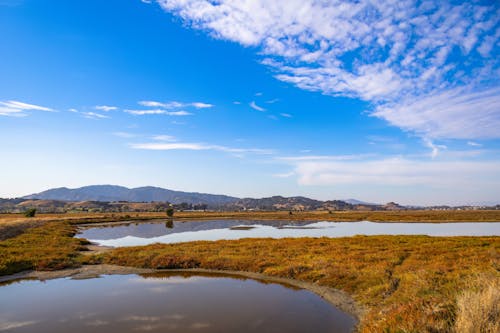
{"points": [[172, 302], [134, 234]]}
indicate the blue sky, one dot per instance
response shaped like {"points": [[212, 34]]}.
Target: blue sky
{"points": [[378, 101]]}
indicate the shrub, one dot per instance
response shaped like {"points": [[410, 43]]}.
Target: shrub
{"points": [[30, 212], [170, 212]]}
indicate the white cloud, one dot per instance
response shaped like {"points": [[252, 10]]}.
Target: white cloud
{"points": [[200, 105], [455, 113], [179, 113], [126, 135], [197, 146], [392, 54], [73, 110], [163, 138], [294, 159], [105, 108], [254, 106], [155, 104], [94, 115], [6, 325], [24, 106], [17, 109], [286, 115], [175, 105], [158, 111], [435, 148], [474, 144], [397, 171], [284, 175]]}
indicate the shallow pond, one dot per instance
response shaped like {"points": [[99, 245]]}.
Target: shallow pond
{"points": [[133, 234], [172, 302]]}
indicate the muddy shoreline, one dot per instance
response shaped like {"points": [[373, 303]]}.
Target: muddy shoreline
{"points": [[337, 298]]}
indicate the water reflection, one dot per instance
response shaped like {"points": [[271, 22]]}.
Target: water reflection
{"points": [[176, 231], [165, 303]]}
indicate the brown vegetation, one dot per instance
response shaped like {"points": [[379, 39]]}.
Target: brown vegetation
{"points": [[406, 283], [50, 246], [478, 307]]}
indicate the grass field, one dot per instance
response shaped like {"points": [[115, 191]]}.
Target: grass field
{"points": [[405, 283]]}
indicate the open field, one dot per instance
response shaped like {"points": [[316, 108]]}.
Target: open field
{"points": [[404, 283]]}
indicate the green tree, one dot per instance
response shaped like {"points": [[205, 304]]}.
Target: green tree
{"points": [[30, 212], [170, 212]]}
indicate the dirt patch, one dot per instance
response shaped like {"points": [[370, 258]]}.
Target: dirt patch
{"points": [[96, 249]]}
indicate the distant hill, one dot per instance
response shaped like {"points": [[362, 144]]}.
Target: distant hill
{"points": [[277, 203], [358, 202], [120, 198], [139, 194]]}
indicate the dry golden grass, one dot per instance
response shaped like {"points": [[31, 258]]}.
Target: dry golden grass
{"points": [[50, 246], [478, 307]]}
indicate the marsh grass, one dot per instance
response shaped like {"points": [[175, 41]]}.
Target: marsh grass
{"points": [[50, 246], [406, 283], [478, 306]]}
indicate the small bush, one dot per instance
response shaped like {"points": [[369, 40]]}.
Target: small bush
{"points": [[30, 212], [170, 212]]}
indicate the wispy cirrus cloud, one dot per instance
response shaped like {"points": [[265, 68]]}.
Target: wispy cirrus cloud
{"points": [[175, 105], [392, 54], [200, 105], [172, 108], [126, 135], [454, 113], [393, 171], [254, 106], [105, 108], [158, 111], [94, 115], [7, 325], [197, 146], [155, 104], [164, 137], [18, 109], [474, 144]]}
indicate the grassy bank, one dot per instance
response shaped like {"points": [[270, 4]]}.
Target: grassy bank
{"points": [[49, 246]]}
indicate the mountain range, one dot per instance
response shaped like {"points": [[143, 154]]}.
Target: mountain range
{"points": [[89, 195], [139, 194], [119, 198]]}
